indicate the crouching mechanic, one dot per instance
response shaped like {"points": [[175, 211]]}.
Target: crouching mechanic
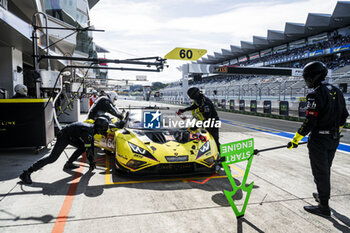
{"points": [[78, 134], [206, 107], [326, 115]]}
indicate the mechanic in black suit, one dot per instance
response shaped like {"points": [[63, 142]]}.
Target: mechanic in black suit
{"points": [[325, 117], [104, 104], [206, 107], [21, 92], [77, 134]]}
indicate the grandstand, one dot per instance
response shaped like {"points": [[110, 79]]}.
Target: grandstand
{"points": [[323, 37]]}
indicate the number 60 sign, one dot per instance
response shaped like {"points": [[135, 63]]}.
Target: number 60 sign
{"points": [[185, 54]]}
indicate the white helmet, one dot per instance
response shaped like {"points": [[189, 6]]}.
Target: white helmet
{"points": [[112, 96], [21, 89]]}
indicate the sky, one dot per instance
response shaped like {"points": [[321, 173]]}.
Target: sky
{"points": [[145, 28]]}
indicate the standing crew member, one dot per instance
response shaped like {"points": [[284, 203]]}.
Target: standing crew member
{"points": [[104, 104], [78, 134], [206, 107], [93, 98], [325, 117], [21, 92]]}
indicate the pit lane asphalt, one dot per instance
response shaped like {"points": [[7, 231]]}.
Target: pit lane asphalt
{"points": [[98, 201]]}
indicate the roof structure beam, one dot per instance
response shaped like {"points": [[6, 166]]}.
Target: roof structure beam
{"points": [[274, 35], [235, 49], [259, 40], [219, 55], [294, 28], [246, 45], [317, 20], [341, 10], [227, 53]]}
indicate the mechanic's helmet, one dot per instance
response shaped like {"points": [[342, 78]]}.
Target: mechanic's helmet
{"points": [[94, 92], [21, 89], [101, 125], [194, 93], [314, 73], [112, 96]]}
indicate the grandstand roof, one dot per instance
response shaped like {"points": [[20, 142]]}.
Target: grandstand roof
{"points": [[315, 24]]}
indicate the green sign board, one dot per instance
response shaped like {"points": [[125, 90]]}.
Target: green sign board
{"points": [[235, 152]]}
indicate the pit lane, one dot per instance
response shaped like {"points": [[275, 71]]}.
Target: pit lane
{"points": [[99, 201]]}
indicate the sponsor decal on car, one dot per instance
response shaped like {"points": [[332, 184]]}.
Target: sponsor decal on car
{"points": [[198, 137]]}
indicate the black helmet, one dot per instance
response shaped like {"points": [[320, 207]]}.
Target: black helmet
{"points": [[314, 73], [101, 125], [194, 93]]}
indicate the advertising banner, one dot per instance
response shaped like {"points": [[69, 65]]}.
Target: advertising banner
{"points": [[316, 53], [343, 87], [223, 103], [267, 107], [302, 108], [253, 106], [232, 104], [340, 48], [215, 101], [284, 108], [241, 105]]}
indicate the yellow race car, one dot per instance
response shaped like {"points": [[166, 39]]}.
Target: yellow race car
{"points": [[139, 150]]}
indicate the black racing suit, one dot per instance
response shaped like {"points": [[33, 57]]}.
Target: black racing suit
{"points": [[79, 135], [207, 108], [101, 106], [19, 96], [325, 113]]}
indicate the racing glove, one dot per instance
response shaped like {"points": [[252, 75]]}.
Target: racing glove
{"points": [[181, 110], [121, 124], [294, 142], [340, 128]]}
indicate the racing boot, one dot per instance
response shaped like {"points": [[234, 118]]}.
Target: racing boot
{"points": [[320, 210], [25, 177], [70, 166]]}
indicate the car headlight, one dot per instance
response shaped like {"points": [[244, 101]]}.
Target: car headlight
{"points": [[141, 151], [134, 164], [137, 149], [204, 149]]}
